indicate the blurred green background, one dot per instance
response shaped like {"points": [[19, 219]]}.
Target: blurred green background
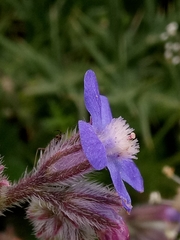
{"points": [[46, 46]]}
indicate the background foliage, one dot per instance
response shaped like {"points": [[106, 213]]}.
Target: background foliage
{"points": [[46, 47]]}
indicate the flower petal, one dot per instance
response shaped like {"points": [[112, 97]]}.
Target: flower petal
{"points": [[92, 98], [130, 174], [92, 146], [106, 114], [118, 183]]}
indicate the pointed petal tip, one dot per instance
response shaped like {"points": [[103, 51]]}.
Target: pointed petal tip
{"points": [[140, 184], [142, 190], [89, 71], [127, 206], [89, 74]]}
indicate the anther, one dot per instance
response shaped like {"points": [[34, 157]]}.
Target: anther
{"points": [[132, 136]]}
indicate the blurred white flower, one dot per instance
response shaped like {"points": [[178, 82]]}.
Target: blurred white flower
{"points": [[176, 47], [168, 46], [168, 54], [176, 60], [171, 28], [164, 36], [155, 197], [171, 43]]}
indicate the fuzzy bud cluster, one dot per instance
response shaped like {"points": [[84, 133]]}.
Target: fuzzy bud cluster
{"points": [[63, 204]]}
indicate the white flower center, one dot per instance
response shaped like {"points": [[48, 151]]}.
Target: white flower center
{"points": [[119, 139]]}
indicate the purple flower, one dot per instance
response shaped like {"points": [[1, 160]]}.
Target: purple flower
{"points": [[109, 142], [154, 221]]}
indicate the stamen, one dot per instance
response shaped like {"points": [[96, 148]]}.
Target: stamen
{"points": [[119, 139], [132, 136]]}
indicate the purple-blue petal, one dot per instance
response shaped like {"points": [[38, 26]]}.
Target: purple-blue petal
{"points": [[118, 183], [92, 98], [131, 174], [92, 146], [106, 114]]}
